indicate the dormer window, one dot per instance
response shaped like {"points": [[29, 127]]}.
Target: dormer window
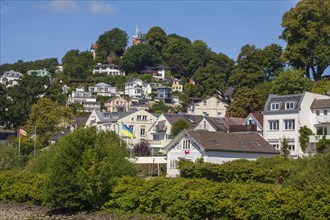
{"points": [[289, 105], [275, 106]]}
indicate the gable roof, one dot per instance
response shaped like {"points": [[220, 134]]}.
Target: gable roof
{"points": [[237, 142], [321, 103], [193, 120], [222, 124], [258, 117]]}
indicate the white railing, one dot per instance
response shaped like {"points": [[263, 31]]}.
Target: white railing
{"points": [[323, 118], [316, 138]]}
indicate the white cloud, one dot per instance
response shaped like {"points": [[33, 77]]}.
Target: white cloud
{"points": [[100, 7], [62, 6]]}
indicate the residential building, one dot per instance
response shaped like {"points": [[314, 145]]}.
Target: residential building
{"points": [[40, 73], [117, 104], [252, 123], [215, 147], [160, 132], [109, 69], [211, 106], [10, 78], [157, 72], [136, 88], [138, 38], [177, 85], [105, 121], [218, 124], [138, 104], [321, 119], [103, 89], [86, 99], [284, 115], [163, 93]]}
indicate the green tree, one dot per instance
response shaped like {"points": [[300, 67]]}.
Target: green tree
{"points": [[157, 38], [23, 96], [160, 107], [184, 101], [285, 147], [179, 126], [245, 101], [139, 56], [141, 149], [323, 145], [291, 82], [271, 60], [48, 118], [249, 70], [111, 44], [78, 64], [304, 133], [306, 31], [84, 169], [321, 87]]}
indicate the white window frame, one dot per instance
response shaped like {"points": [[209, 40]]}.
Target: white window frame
{"points": [[186, 145], [274, 106], [289, 124], [173, 164], [273, 125], [289, 105], [143, 131]]}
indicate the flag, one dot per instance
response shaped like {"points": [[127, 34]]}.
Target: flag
{"points": [[127, 131], [21, 132]]}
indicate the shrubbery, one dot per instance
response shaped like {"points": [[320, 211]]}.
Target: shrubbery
{"points": [[270, 170]]}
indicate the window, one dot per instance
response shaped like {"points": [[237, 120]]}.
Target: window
{"points": [[274, 106], [205, 114], [273, 125], [186, 145], [325, 112], [156, 137], [139, 117], [168, 136], [276, 146], [143, 131], [144, 118], [317, 112], [131, 127], [289, 124], [205, 102], [173, 164], [289, 105], [251, 122], [291, 147], [219, 113], [321, 130]]}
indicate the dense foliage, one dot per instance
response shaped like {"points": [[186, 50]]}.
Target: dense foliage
{"points": [[179, 126]]}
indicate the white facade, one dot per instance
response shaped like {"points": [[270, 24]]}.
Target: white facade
{"points": [[184, 146], [109, 69], [211, 106], [136, 88], [103, 89], [285, 115], [10, 78]]}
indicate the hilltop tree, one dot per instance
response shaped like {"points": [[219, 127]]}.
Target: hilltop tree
{"points": [[78, 64], [157, 38], [272, 63], [139, 56], [111, 44], [291, 82], [306, 31]]}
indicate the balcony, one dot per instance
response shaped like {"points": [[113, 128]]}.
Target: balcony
{"points": [[160, 128], [316, 138], [320, 119]]}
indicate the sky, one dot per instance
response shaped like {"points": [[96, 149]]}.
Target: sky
{"points": [[33, 30]]}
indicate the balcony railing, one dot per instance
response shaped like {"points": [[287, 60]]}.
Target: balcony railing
{"points": [[316, 138], [323, 119]]}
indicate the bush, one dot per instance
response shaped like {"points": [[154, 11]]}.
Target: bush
{"points": [[84, 169]]}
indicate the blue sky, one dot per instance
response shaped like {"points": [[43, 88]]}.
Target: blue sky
{"points": [[32, 30]]}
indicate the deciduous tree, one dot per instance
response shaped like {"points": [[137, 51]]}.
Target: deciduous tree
{"points": [[179, 126]]}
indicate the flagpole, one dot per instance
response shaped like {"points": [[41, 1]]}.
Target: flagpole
{"points": [[35, 138], [19, 144]]}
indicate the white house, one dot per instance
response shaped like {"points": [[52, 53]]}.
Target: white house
{"points": [[321, 119], [157, 72], [86, 99], [283, 117], [136, 88], [210, 106], [39, 73], [10, 78], [109, 69], [103, 89], [215, 147]]}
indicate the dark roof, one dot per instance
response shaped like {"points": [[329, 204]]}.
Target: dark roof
{"points": [[193, 120], [218, 141], [222, 124], [78, 121], [108, 65], [321, 103], [282, 99], [55, 137]]}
